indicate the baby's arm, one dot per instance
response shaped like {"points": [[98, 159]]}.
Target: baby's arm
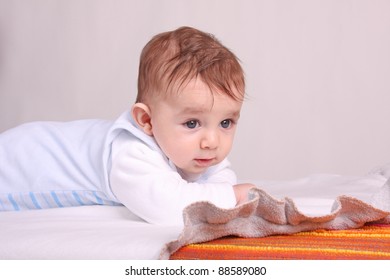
{"points": [[142, 180]]}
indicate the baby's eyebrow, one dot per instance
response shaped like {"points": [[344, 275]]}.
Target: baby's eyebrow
{"points": [[235, 115], [199, 111], [192, 110]]}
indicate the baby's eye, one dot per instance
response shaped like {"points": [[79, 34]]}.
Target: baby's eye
{"points": [[191, 124], [226, 123]]}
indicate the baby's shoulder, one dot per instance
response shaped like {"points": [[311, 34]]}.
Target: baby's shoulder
{"points": [[128, 143]]}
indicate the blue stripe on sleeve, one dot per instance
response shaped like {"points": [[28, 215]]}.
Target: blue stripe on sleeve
{"points": [[55, 197], [98, 199], [77, 197], [35, 201], [13, 202]]}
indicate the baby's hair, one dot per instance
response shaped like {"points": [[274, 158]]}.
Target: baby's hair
{"points": [[171, 59]]}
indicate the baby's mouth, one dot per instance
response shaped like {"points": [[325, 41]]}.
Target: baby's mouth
{"points": [[204, 162]]}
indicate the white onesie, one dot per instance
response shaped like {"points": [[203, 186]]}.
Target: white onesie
{"points": [[87, 162]]}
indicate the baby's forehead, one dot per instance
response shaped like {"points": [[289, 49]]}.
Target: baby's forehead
{"points": [[198, 98], [196, 87]]}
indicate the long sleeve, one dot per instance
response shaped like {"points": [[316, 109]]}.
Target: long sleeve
{"points": [[142, 179]]}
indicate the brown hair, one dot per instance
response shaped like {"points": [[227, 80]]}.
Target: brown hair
{"points": [[173, 58]]}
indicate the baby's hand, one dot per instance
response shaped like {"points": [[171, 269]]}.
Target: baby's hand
{"points": [[241, 192]]}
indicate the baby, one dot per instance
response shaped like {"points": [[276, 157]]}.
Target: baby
{"points": [[165, 153]]}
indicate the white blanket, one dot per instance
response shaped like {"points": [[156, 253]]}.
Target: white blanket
{"points": [[86, 232], [112, 232]]}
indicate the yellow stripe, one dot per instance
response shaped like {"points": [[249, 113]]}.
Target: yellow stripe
{"points": [[276, 249], [345, 234]]}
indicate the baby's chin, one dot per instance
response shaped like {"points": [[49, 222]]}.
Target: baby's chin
{"points": [[191, 175], [193, 172]]}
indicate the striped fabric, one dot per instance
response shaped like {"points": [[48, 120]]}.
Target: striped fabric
{"points": [[51, 199], [369, 242]]}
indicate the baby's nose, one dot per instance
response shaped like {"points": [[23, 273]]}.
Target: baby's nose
{"points": [[209, 140]]}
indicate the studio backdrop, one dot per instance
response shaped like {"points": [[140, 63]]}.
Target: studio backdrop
{"points": [[317, 72]]}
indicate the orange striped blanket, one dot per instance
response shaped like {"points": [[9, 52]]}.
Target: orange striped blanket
{"points": [[369, 242], [278, 227]]}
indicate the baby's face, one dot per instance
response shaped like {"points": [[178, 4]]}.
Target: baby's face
{"points": [[195, 128]]}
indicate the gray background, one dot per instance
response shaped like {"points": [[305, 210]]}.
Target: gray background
{"points": [[318, 72]]}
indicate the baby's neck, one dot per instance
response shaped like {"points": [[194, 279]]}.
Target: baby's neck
{"points": [[189, 177]]}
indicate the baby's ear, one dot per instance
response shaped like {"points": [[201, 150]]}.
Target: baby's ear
{"points": [[141, 115]]}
